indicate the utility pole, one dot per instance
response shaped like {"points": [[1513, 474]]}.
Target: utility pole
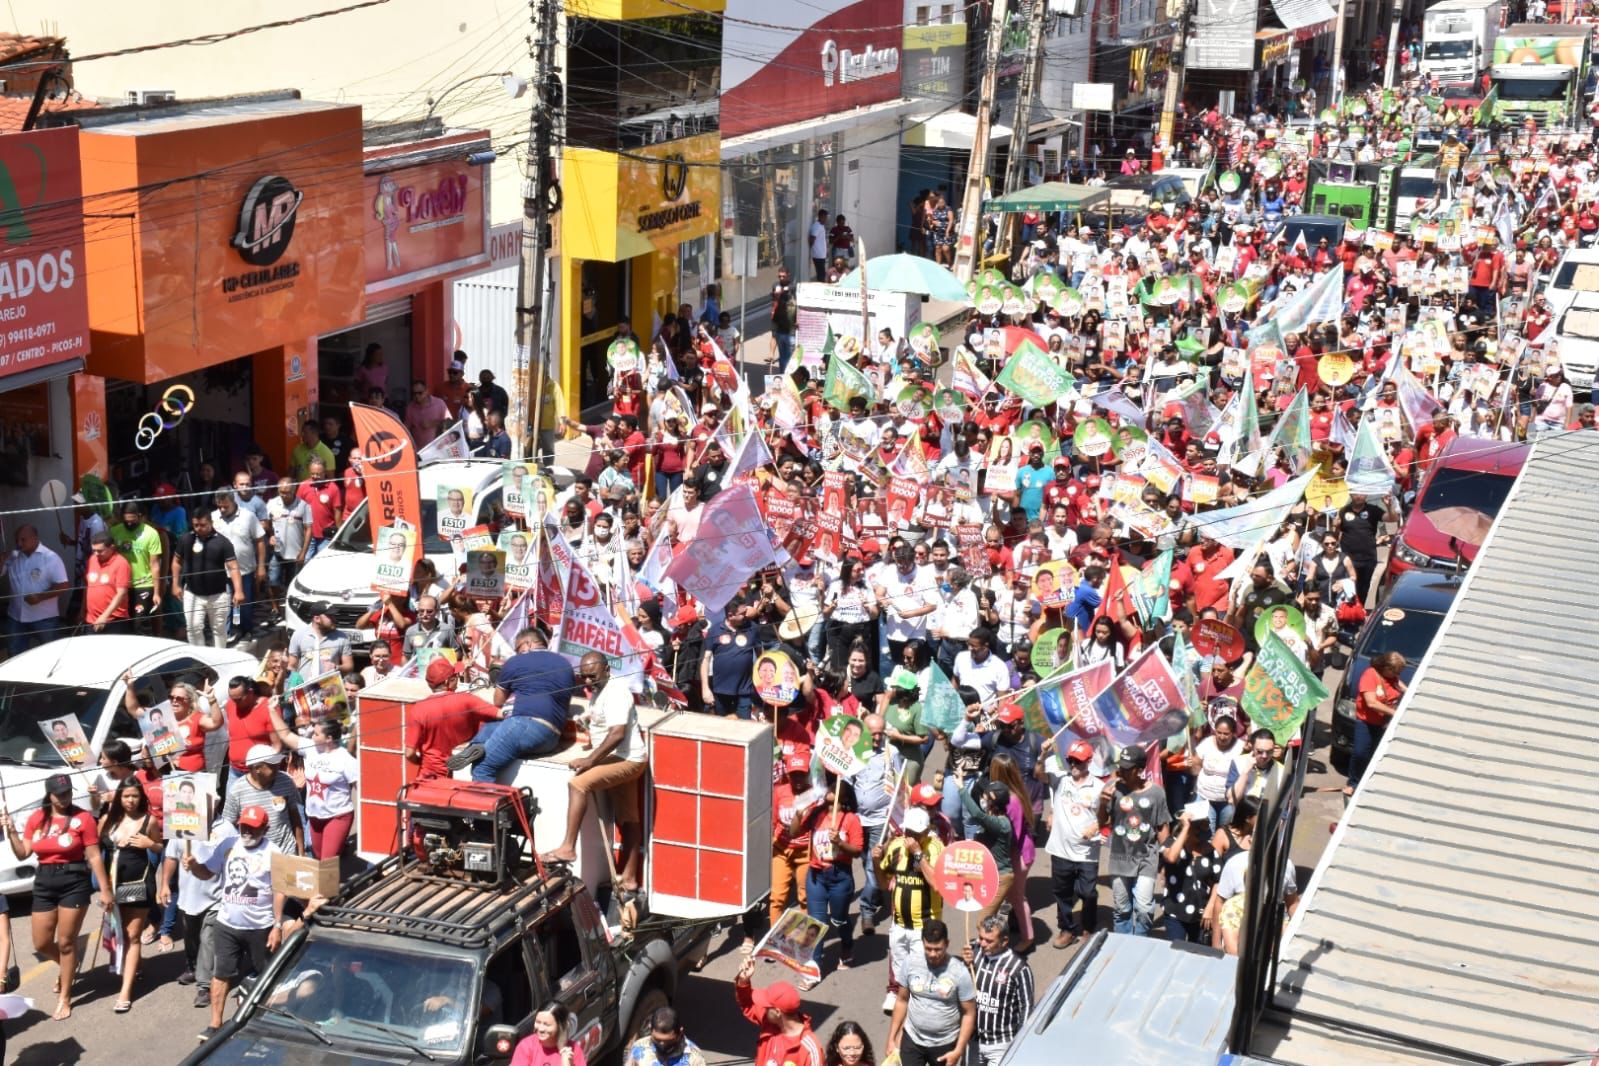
{"points": [[967, 248], [1021, 125], [1393, 44], [1164, 142], [1333, 96], [538, 189]]}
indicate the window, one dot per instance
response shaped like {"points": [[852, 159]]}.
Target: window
{"points": [[947, 16], [921, 15], [507, 993], [563, 954], [27, 710]]}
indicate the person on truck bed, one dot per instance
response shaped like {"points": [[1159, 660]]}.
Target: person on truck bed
{"points": [[541, 683], [444, 721], [614, 766]]}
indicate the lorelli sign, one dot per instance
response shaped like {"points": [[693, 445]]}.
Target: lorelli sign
{"points": [[841, 66]]}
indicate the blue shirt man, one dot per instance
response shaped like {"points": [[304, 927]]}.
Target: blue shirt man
{"points": [[539, 684], [730, 649], [1030, 482]]}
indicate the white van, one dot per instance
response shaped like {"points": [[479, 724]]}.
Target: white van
{"points": [[341, 573], [1576, 341], [1577, 272]]}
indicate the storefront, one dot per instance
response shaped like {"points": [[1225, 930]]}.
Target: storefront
{"points": [[228, 239], [424, 204], [44, 314], [811, 117]]}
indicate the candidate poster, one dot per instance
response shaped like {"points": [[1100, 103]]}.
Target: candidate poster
{"points": [[517, 488], [485, 574], [521, 560], [322, 699], [160, 733], [454, 512], [792, 941], [966, 875], [66, 736], [395, 550], [777, 679], [187, 802], [843, 745]]}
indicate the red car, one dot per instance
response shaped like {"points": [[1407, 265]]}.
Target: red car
{"points": [[1457, 503]]}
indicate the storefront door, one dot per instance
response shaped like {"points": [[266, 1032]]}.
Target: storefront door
{"points": [[339, 355], [604, 302]]}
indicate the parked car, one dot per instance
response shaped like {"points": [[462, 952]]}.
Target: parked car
{"points": [[1405, 621], [1576, 272], [1575, 340], [341, 573], [1314, 227], [82, 676], [1458, 500]]}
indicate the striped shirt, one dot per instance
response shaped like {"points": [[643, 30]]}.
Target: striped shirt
{"points": [[281, 801], [1004, 995], [914, 899]]}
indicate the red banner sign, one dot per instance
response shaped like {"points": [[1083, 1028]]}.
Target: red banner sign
{"points": [[44, 303]]}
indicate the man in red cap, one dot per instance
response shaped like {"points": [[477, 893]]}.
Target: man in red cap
{"points": [[791, 850], [1074, 837], [444, 721], [250, 915], [785, 1029]]}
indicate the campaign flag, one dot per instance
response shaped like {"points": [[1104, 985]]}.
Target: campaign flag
{"points": [[1120, 404], [1322, 301], [1370, 473], [1199, 414], [1292, 431], [451, 444], [965, 377], [1116, 600], [732, 543], [555, 563], [1160, 467], [518, 618], [752, 454], [388, 463], [1279, 690], [1242, 432], [844, 382], [1415, 401], [942, 708], [1152, 590], [1031, 374], [1186, 664], [588, 624], [1145, 703], [1251, 522], [911, 461], [1342, 433], [652, 575], [1068, 699]]}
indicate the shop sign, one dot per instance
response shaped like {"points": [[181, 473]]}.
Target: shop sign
{"points": [[848, 57], [669, 193], [1274, 50], [933, 61], [44, 306], [266, 230], [423, 219]]}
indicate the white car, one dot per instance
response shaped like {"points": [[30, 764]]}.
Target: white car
{"points": [[1577, 272], [82, 676], [1576, 341], [341, 573]]}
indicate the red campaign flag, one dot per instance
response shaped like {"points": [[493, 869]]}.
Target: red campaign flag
{"points": [[731, 544], [1117, 602]]}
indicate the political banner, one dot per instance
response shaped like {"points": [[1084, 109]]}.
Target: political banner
{"points": [[1369, 473], [731, 544], [113, 941], [186, 806], [842, 744], [792, 941], [1280, 690], [516, 488], [322, 698], [903, 495], [1031, 374], [587, 624], [1214, 638], [388, 463], [66, 736], [1052, 652], [844, 383], [1144, 703], [521, 561], [777, 679], [942, 708], [1068, 700], [395, 549], [449, 445], [1252, 521], [485, 574], [453, 512], [966, 875], [1054, 583], [161, 740]]}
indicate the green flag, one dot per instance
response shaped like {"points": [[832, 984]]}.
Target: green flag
{"points": [[844, 382], [942, 708], [1185, 663], [1152, 590], [1031, 374], [830, 342], [1280, 690], [1292, 432]]}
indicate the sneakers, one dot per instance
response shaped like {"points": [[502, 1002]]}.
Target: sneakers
{"points": [[202, 998], [868, 924], [186, 977], [1063, 939], [888, 1003], [466, 756]]}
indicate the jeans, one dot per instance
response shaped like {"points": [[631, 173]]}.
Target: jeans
{"points": [[1075, 881], [1179, 931], [952, 807], [1367, 737], [202, 611], [511, 739], [736, 704], [901, 942], [947, 650], [872, 893], [247, 608], [25, 635], [827, 895], [1133, 900], [785, 350], [666, 484], [1221, 813], [1179, 789]]}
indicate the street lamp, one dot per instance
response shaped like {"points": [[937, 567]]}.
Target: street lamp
{"points": [[515, 87]]}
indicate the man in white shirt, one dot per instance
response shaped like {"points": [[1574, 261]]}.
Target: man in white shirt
{"points": [[613, 765], [1074, 837], [244, 530], [37, 579], [819, 242], [980, 669], [908, 602]]}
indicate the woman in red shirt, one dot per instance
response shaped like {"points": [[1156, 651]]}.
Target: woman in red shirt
{"points": [[836, 838], [193, 715], [1380, 692], [64, 839]]}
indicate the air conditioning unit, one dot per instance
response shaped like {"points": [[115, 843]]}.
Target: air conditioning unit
{"points": [[145, 97]]}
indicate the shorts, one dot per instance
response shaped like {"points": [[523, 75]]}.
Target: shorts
{"points": [[59, 884], [142, 600], [233, 946], [618, 779]]}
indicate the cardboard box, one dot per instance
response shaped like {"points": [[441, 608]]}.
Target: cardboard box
{"points": [[302, 878]]}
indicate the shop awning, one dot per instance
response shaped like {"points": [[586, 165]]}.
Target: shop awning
{"points": [[23, 378], [1050, 196], [954, 130], [1297, 14]]}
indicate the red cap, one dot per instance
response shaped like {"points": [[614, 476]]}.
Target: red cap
{"points": [[165, 491], [779, 995], [685, 616], [925, 796], [871, 546], [1091, 482], [253, 816], [441, 670], [1080, 751], [798, 761], [1010, 712]]}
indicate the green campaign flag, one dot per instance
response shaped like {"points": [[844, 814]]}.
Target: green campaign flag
{"points": [[1152, 589], [1292, 432], [844, 382], [1031, 374], [1280, 690], [1186, 664], [830, 342], [942, 708]]}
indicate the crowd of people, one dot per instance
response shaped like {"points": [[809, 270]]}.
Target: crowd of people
{"points": [[1136, 440]]}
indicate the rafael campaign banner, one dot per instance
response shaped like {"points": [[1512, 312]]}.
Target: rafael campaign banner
{"points": [[731, 544], [1279, 690], [1069, 700], [588, 624], [1145, 703], [388, 457]]}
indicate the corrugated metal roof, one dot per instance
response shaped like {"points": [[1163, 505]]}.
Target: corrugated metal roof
{"points": [[1456, 912]]}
